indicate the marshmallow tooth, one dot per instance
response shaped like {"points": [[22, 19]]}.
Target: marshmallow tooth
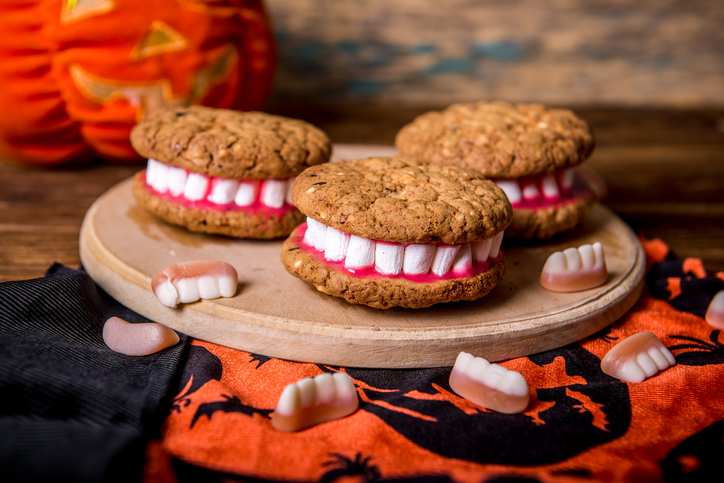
{"points": [[193, 280], [549, 186], [316, 234], [312, 401], [360, 252], [392, 258], [246, 192], [530, 191], [464, 259], [511, 188], [489, 385], [335, 244], [443, 259], [481, 249], [176, 180], [575, 269], [223, 191], [566, 178], [273, 192], [389, 258], [157, 175], [637, 357], [418, 258], [495, 244], [197, 185]]}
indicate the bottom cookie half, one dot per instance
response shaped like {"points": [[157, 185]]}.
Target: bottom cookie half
{"points": [[385, 292], [544, 223]]}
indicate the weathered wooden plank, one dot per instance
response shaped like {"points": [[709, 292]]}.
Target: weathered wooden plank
{"points": [[566, 51]]}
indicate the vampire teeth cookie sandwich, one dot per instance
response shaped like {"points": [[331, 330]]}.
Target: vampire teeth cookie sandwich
{"points": [[397, 231], [224, 172], [529, 150]]}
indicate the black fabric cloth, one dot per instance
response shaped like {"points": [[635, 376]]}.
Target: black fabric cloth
{"points": [[71, 409]]}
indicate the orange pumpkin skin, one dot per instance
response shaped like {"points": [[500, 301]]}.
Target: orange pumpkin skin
{"points": [[77, 75]]}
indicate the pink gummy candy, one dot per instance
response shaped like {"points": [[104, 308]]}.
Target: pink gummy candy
{"points": [[137, 339]]}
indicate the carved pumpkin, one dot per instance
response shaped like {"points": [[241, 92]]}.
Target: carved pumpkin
{"points": [[76, 75]]}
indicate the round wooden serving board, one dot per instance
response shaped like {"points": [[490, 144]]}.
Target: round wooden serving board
{"points": [[277, 315]]}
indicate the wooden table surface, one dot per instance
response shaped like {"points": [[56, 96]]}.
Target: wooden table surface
{"points": [[664, 170]]}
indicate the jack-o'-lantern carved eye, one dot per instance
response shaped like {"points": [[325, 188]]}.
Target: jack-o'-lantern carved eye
{"points": [[160, 38], [74, 10]]}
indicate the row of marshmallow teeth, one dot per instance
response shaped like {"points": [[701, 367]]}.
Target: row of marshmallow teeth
{"points": [[532, 188], [221, 191], [394, 258]]}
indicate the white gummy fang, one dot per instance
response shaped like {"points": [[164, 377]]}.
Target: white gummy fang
{"points": [[167, 294], [159, 176], [489, 385], [637, 357], [188, 290], [190, 281], [575, 269], [588, 256], [288, 197], [312, 401]]}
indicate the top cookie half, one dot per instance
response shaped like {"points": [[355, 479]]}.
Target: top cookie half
{"points": [[402, 199], [499, 139], [231, 144]]}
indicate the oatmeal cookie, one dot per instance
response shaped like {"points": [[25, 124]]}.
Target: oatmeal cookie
{"points": [[397, 231], [225, 172], [231, 144], [528, 149]]}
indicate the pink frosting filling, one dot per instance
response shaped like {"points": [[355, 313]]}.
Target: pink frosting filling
{"points": [[567, 192], [477, 267], [256, 207]]}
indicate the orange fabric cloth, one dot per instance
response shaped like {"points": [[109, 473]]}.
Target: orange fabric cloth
{"points": [[77, 75], [580, 423]]}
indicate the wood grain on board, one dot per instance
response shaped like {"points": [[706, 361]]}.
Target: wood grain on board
{"points": [[274, 314]]}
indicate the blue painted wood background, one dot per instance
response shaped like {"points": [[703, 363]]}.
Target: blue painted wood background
{"points": [[610, 52]]}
